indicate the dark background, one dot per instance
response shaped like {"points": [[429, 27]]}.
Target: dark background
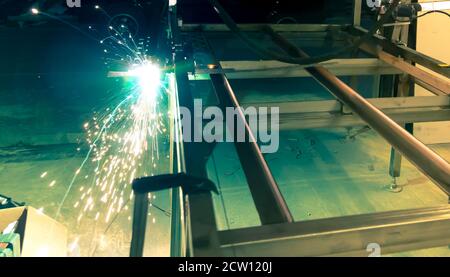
{"points": [[52, 77]]}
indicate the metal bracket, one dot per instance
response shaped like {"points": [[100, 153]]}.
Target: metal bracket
{"points": [[142, 186], [7, 202], [190, 184]]}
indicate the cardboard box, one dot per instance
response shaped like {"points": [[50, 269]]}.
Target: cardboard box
{"points": [[40, 235]]}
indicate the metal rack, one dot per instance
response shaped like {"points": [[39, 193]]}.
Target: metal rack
{"points": [[194, 227]]}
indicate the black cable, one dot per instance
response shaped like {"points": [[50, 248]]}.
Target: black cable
{"points": [[433, 11], [166, 213], [266, 53], [426, 13]]}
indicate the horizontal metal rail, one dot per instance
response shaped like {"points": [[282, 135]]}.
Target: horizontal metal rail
{"points": [[334, 106], [332, 114], [436, 82], [393, 232], [276, 69], [405, 52]]}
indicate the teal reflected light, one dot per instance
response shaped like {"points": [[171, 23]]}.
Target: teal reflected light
{"points": [[148, 75]]}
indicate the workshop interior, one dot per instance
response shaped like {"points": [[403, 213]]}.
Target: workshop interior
{"points": [[116, 140]]}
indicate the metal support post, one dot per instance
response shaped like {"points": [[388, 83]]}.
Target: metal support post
{"points": [[357, 8], [200, 218], [140, 213]]}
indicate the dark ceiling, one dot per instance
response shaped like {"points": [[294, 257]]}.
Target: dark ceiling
{"points": [[243, 11]]}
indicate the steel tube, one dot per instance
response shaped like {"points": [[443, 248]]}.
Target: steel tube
{"points": [[393, 231], [198, 209], [140, 213], [268, 199], [405, 52], [427, 161]]}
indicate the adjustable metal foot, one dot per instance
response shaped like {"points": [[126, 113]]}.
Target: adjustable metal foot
{"points": [[393, 187]]}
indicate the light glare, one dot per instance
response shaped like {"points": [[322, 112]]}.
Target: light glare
{"points": [[149, 78], [435, 5]]}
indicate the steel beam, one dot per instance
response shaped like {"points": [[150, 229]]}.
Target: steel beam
{"points": [[426, 160], [357, 9], [393, 231], [201, 229], [276, 69], [389, 52], [330, 121], [426, 86], [332, 114], [203, 237], [394, 105], [403, 90], [140, 214], [405, 52], [269, 201], [442, 84]]}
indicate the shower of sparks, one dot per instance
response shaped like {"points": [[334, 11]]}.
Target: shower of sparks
{"points": [[123, 145], [123, 138]]}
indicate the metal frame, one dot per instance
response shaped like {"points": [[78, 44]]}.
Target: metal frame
{"points": [[276, 69], [269, 201], [395, 231], [426, 160], [333, 114], [194, 222]]}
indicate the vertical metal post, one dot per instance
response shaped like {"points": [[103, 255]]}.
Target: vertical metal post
{"points": [[357, 8], [176, 224], [177, 165], [201, 226], [140, 212], [400, 34], [396, 157], [376, 86], [395, 163]]}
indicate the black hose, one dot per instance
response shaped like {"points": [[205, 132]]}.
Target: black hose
{"points": [[413, 18], [266, 53], [433, 11]]}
